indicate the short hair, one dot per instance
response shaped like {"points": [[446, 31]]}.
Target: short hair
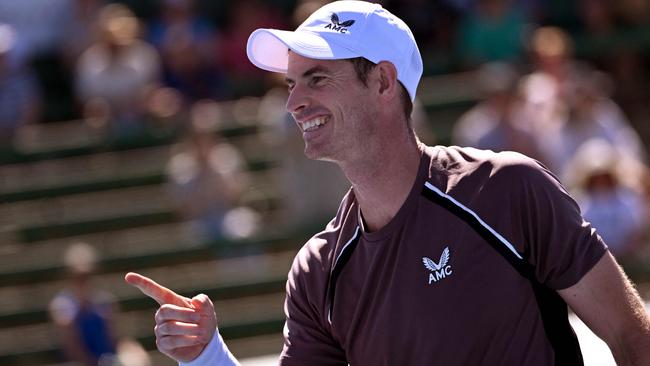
{"points": [[363, 66]]}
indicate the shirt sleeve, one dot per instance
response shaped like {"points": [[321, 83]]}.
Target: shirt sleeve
{"points": [[547, 225], [307, 340], [216, 353]]}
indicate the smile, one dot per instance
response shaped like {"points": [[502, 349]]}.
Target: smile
{"points": [[313, 124]]}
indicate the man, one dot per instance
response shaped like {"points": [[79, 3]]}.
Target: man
{"points": [[437, 255]]}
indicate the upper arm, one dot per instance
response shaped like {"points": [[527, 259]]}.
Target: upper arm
{"points": [[606, 301], [307, 339], [306, 343], [544, 223]]}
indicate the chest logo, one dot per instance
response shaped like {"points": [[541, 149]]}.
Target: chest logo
{"points": [[440, 270]]}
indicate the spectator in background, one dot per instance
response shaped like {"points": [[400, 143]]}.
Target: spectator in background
{"points": [[207, 178], [83, 314], [589, 114], [243, 78], [544, 89], [186, 43], [47, 31], [116, 74], [606, 188], [84, 317], [19, 96], [568, 102], [494, 31], [497, 123]]}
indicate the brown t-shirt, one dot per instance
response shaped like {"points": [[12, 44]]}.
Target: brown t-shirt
{"points": [[464, 274]]}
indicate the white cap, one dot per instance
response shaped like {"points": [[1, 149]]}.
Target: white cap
{"points": [[340, 30]]}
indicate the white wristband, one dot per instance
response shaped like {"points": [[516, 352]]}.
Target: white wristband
{"points": [[216, 353]]}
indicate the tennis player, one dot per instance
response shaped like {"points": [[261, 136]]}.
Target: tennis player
{"points": [[437, 255]]}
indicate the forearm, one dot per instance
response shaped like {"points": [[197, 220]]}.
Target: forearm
{"points": [[216, 353], [632, 346], [608, 303], [632, 354], [633, 351]]}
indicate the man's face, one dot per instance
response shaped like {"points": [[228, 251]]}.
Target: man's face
{"points": [[331, 106]]}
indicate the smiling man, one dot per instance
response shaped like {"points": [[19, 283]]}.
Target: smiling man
{"points": [[437, 255]]}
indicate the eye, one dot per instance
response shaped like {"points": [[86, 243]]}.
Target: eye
{"points": [[317, 80]]}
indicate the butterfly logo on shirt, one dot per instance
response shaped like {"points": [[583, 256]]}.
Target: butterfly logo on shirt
{"points": [[439, 270]]}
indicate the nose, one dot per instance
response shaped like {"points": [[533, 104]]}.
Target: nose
{"points": [[297, 100]]}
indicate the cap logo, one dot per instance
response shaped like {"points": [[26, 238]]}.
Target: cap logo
{"points": [[336, 25]]}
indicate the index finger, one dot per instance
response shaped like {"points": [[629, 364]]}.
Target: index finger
{"points": [[160, 293]]}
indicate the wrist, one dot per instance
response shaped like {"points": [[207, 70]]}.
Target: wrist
{"points": [[216, 352]]}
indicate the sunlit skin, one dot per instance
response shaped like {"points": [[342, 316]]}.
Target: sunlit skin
{"points": [[184, 326], [365, 133], [367, 136], [330, 89]]}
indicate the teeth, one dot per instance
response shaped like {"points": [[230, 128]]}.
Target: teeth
{"points": [[312, 124]]}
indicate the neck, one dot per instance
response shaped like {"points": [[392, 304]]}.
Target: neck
{"points": [[382, 183]]}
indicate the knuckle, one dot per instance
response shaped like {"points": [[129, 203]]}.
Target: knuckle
{"points": [[162, 315], [161, 329], [159, 343], [158, 315]]}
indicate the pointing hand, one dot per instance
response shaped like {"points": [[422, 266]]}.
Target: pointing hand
{"points": [[184, 326]]}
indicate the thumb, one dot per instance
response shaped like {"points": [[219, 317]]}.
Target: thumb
{"points": [[205, 307], [203, 304]]}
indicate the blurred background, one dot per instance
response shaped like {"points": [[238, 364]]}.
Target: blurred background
{"points": [[136, 135]]}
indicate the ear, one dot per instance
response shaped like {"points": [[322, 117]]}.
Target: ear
{"points": [[387, 74]]}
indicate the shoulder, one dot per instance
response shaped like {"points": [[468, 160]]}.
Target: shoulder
{"points": [[514, 173], [470, 174], [455, 160], [520, 171]]}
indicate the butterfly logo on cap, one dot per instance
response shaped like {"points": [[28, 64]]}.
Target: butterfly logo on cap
{"points": [[337, 25]]}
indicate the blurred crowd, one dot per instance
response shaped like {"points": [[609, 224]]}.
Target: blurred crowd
{"points": [[562, 81], [119, 64], [565, 82]]}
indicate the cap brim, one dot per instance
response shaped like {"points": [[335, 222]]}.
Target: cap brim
{"points": [[268, 49]]}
